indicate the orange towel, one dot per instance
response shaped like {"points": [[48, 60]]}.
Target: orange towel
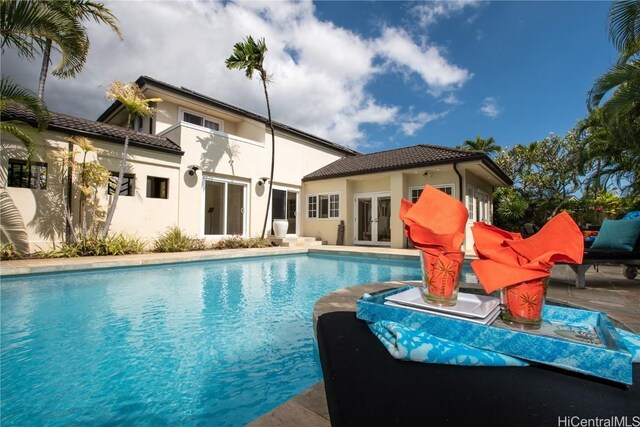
{"points": [[508, 259], [435, 221]]}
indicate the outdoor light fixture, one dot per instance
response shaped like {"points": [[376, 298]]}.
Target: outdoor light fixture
{"points": [[192, 169], [263, 180], [428, 174]]}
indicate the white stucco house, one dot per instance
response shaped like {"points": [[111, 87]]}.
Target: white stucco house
{"points": [[202, 164]]}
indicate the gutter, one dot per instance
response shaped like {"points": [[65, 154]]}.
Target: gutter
{"points": [[455, 168]]}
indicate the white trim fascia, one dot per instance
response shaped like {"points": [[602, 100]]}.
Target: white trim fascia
{"points": [[214, 132]]}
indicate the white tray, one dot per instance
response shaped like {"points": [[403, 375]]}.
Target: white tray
{"points": [[484, 321], [468, 305]]}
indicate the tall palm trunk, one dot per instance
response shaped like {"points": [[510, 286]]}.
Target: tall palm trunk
{"points": [[273, 155], [116, 194], [44, 69]]}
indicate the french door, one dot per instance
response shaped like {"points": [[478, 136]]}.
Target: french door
{"points": [[372, 219]]}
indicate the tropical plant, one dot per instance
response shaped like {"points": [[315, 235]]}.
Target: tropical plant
{"points": [[27, 25], [8, 252], [13, 230], [93, 245], [237, 242], [175, 240], [249, 55], [487, 145], [622, 81], [133, 100], [14, 95], [77, 10], [545, 174]]}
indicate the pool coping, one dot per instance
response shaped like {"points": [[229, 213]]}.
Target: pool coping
{"points": [[55, 265]]}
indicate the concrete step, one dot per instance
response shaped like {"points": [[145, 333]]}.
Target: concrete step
{"points": [[298, 241]]}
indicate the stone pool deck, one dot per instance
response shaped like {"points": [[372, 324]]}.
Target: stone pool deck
{"points": [[606, 290]]}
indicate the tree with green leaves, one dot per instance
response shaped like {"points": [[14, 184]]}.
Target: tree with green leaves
{"points": [[134, 101], [622, 81], [249, 56], [545, 176], [487, 145], [78, 10], [13, 95]]}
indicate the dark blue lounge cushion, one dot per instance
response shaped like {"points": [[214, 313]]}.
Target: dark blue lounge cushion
{"points": [[618, 235]]}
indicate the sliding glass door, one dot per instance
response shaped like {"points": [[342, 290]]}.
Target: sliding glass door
{"points": [[224, 208]]}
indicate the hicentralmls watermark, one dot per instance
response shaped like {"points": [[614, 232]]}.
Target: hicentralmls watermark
{"points": [[615, 421]]}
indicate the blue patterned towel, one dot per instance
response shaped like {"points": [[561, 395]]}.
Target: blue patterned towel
{"points": [[406, 343]]}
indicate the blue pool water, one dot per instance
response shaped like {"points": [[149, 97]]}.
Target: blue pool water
{"points": [[208, 343]]}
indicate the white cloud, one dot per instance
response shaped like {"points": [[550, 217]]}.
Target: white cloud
{"points": [[427, 61], [410, 124], [431, 11], [490, 107], [321, 72], [451, 99]]}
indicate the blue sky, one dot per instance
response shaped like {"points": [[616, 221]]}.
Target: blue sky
{"points": [[370, 75]]}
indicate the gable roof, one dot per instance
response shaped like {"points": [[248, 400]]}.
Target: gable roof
{"points": [[188, 93], [89, 128], [403, 158]]}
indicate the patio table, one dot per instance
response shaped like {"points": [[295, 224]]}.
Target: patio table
{"points": [[366, 386]]}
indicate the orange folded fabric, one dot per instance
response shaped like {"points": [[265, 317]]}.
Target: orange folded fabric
{"points": [[435, 221], [507, 259]]}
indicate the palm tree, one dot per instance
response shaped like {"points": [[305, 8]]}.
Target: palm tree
{"points": [[27, 25], [622, 80], [487, 145], [78, 10], [132, 98], [14, 95], [249, 56], [12, 228]]}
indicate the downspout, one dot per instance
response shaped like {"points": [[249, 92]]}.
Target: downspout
{"points": [[460, 193]]}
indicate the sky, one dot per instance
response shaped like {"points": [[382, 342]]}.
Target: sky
{"points": [[368, 75]]}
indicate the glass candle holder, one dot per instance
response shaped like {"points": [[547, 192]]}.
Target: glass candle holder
{"points": [[521, 305], [441, 276]]}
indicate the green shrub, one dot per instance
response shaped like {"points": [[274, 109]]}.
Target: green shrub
{"points": [[7, 252], [237, 242], [117, 244], [175, 240]]}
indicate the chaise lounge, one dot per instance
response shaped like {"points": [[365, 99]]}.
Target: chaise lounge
{"points": [[618, 243]]}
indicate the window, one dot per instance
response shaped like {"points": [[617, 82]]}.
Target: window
{"points": [[323, 206], [471, 202], [19, 175], [334, 205], [157, 188], [200, 121], [415, 192], [312, 206], [128, 184]]}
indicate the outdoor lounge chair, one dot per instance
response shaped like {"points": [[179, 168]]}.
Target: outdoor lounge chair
{"points": [[365, 386], [618, 243]]}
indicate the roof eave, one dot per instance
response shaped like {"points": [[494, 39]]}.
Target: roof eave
{"points": [[182, 91]]}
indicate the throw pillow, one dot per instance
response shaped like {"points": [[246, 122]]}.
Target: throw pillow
{"points": [[617, 235]]}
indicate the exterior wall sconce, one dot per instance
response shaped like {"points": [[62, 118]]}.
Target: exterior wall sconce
{"points": [[428, 174], [192, 169], [263, 180]]}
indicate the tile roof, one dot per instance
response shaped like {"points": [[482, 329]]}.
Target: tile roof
{"points": [[65, 123], [401, 158], [183, 91]]}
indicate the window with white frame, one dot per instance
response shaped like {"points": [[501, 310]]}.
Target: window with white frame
{"points": [[201, 120], [323, 206], [415, 192], [483, 207], [471, 202]]}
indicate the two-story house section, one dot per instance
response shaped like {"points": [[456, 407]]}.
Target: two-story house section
{"points": [[197, 163]]}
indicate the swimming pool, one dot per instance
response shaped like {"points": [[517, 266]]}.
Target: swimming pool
{"points": [[217, 343]]}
